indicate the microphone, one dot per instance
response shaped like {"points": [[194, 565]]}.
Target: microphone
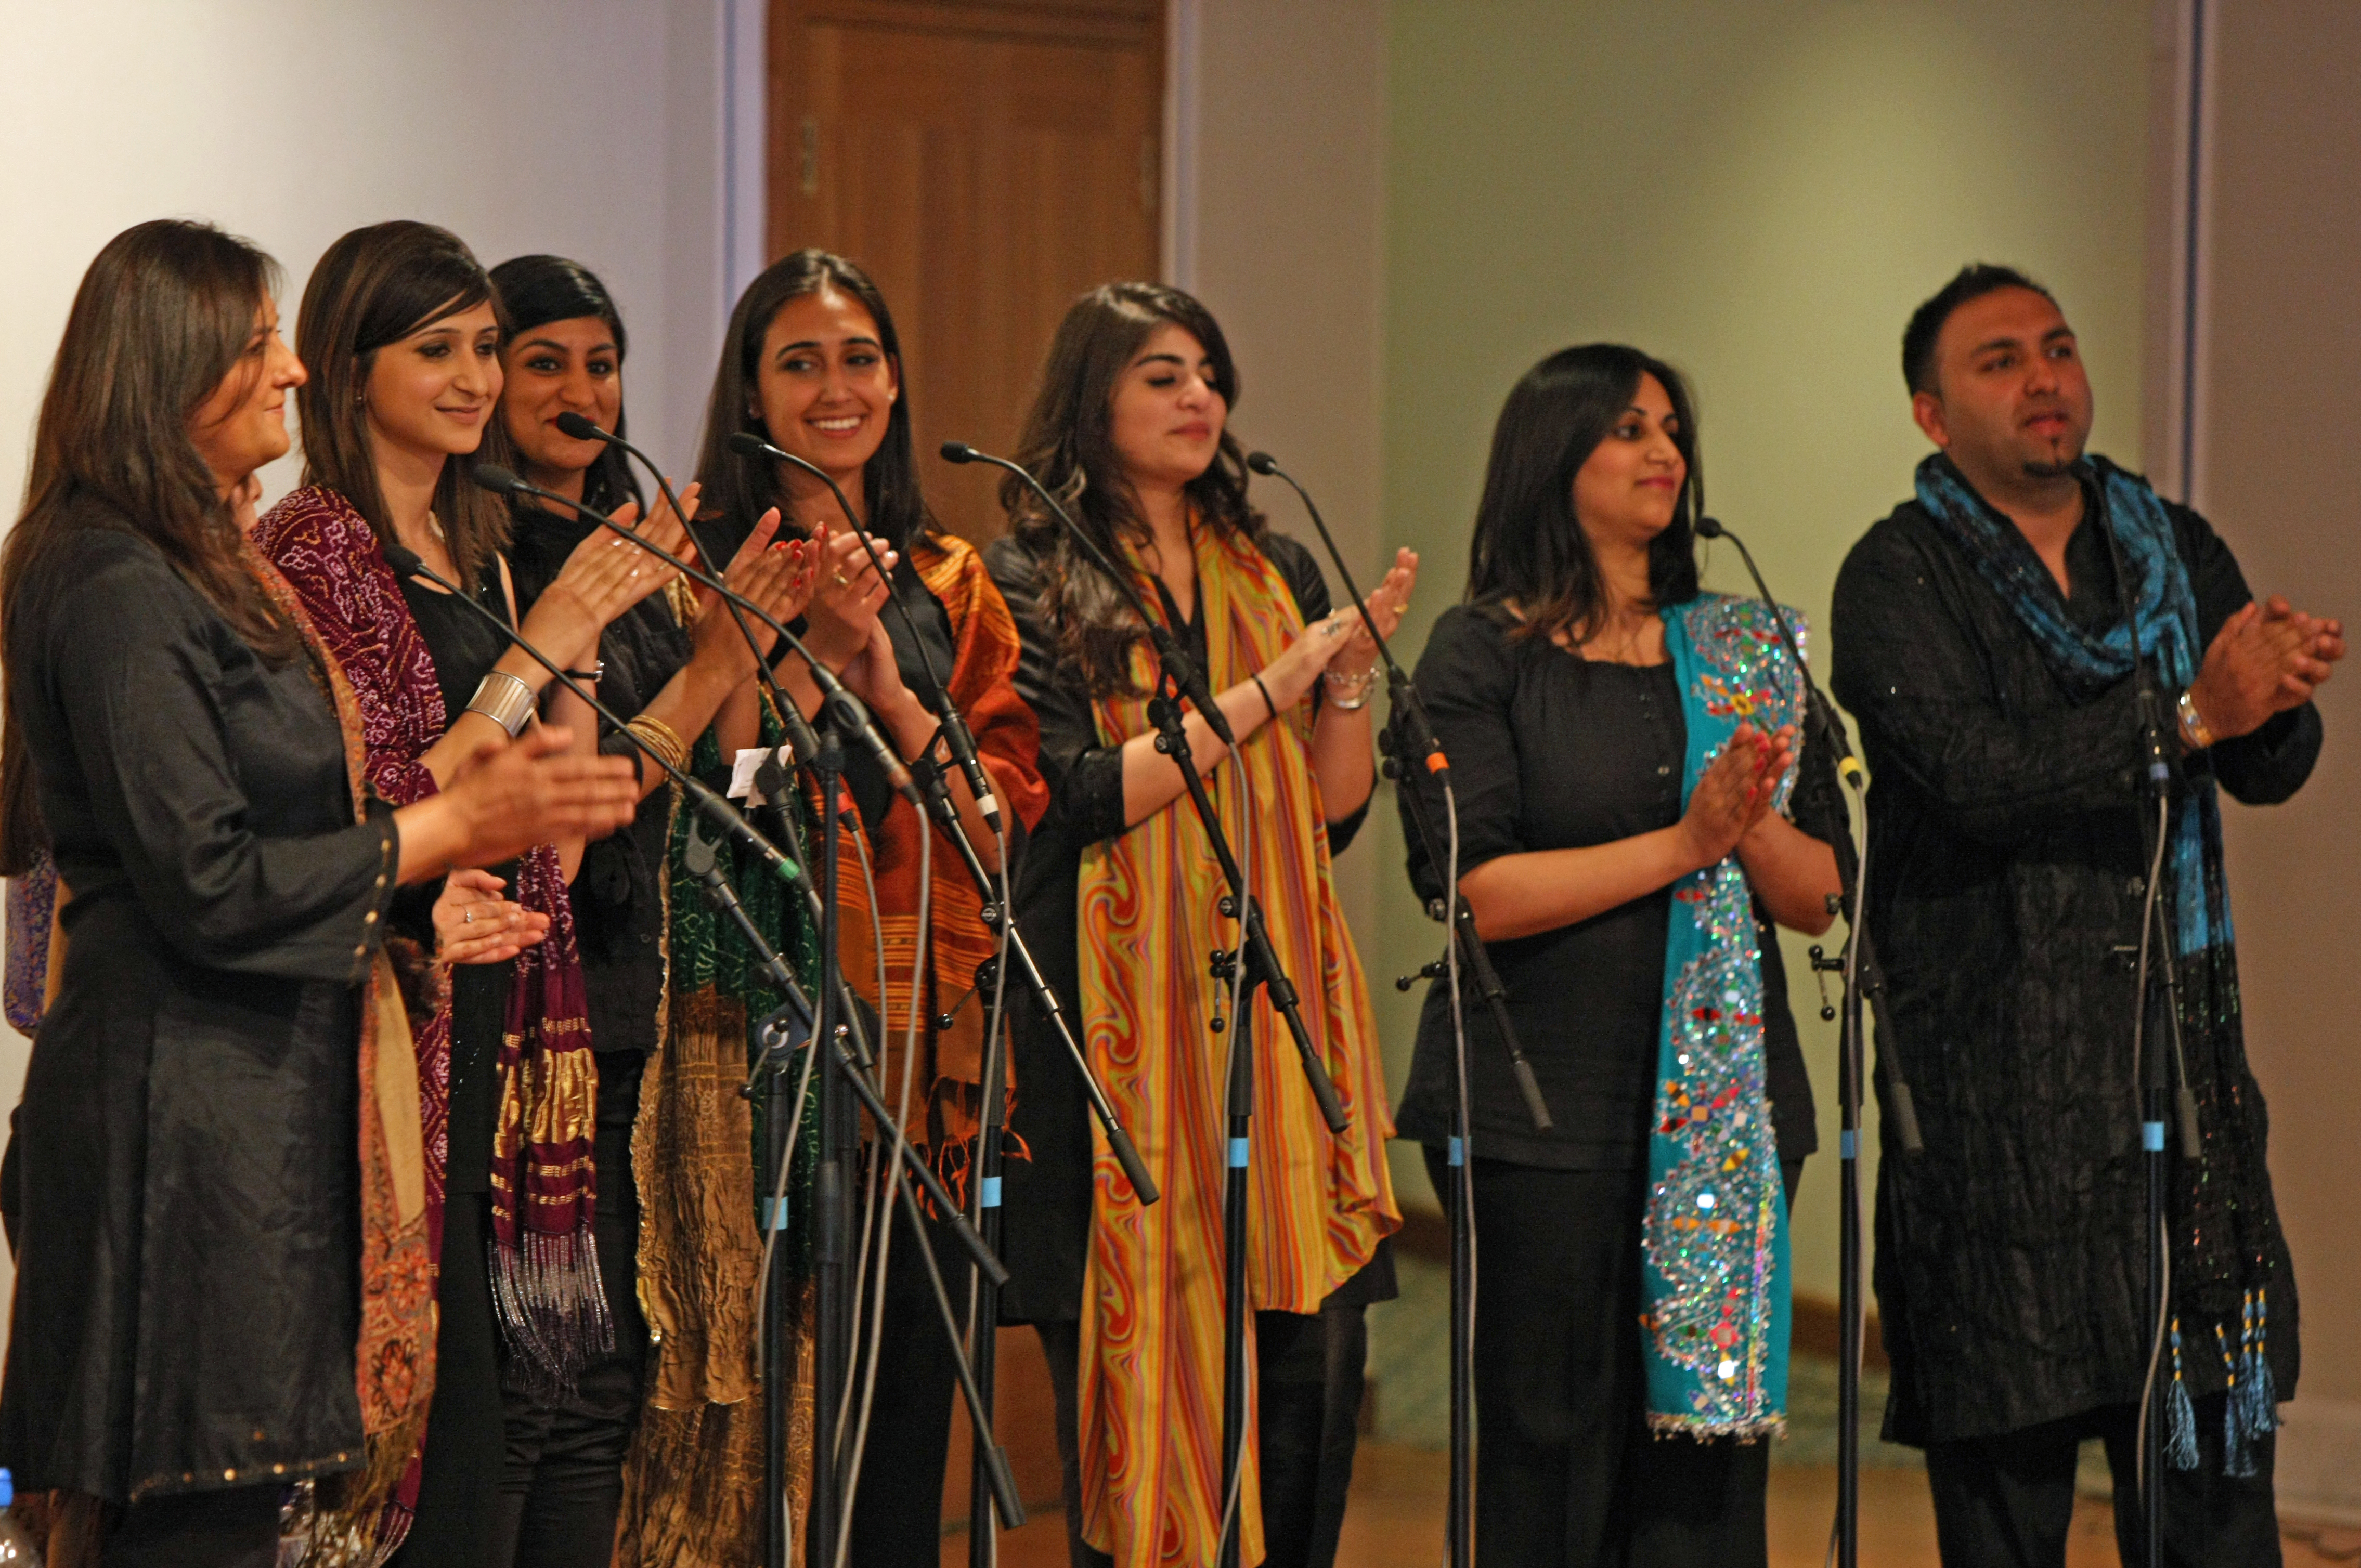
{"points": [[1403, 694], [1816, 705], [724, 815], [1175, 663], [841, 703], [956, 734]]}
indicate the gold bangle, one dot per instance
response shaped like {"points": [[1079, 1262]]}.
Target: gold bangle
{"points": [[661, 739]]}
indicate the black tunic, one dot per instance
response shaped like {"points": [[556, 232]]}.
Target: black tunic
{"points": [[2005, 896], [1549, 750], [619, 893], [188, 1286], [463, 648], [1045, 1234]]}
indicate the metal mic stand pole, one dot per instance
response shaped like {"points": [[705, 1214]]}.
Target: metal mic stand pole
{"points": [[831, 1222], [1400, 742], [1861, 979]]}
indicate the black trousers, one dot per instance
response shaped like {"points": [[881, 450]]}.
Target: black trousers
{"points": [[1569, 1472], [236, 1527], [2006, 1501], [459, 1472], [898, 1515], [561, 1480], [1311, 1368]]}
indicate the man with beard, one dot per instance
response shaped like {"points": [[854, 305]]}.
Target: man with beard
{"points": [[1984, 638]]}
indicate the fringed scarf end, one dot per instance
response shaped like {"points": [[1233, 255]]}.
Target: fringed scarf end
{"points": [[552, 1306]]}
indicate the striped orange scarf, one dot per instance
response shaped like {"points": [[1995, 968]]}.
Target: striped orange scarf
{"points": [[947, 1115], [1152, 1372]]}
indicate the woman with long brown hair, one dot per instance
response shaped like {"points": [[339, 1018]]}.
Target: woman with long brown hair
{"points": [[680, 673], [401, 329], [1118, 895], [812, 365], [222, 1285]]}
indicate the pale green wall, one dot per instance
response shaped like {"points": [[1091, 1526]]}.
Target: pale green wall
{"points": [[1759, 193]]}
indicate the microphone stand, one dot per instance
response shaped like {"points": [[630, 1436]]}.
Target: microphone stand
{"points": [[1177, 678], [1401, 742], [961, 740], [1861, 979], [2149, 1064], [840, 1118]]}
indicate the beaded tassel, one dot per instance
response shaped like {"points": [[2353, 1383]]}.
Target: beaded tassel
{"points": [[2237, 1455], [2260, 1390], [2179, 1414]]}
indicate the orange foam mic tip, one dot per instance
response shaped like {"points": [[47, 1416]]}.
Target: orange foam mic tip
{"points": [[1436, 762]]}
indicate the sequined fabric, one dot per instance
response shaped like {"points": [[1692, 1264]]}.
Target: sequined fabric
{"points": [[1715, 1289]]}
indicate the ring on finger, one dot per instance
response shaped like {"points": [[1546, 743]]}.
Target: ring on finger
{"points": [[466, 917]]}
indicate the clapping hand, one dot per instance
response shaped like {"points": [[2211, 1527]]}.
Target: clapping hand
{"points": [[474, 925], [2268, 658]]}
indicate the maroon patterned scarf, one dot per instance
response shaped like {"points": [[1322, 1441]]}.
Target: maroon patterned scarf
{"points": [[545, 1264]]}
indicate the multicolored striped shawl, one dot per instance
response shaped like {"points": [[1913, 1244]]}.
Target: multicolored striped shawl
{"points": [[1713, 1282], [1152, 1372], [543, 1264]]}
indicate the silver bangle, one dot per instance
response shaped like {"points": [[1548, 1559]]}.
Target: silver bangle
{"points": [[505, 700]]}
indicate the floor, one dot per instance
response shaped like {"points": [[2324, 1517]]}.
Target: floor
{"points": [[1395, 1519], [1400, 1476]]}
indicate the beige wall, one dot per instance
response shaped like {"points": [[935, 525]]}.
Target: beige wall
{"points": [[593, 129], [2278, 471], [1280, 230], [1760, 194]]}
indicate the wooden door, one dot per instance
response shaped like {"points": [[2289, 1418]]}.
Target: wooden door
{"points": [[986, 161]]}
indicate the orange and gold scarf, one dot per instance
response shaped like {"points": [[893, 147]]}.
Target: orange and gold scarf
{"points": [[983, 684], [1317, 1206]]}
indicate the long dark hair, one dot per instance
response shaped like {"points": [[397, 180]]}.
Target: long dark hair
{"points": [[374, 287], [163, 317], [538, 290], [1529, 547], [739, 490], [1069, 443]]}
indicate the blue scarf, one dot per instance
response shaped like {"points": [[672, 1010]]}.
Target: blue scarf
{"points": [[1714, 1276], [2225, 1243], [2087, 663]]}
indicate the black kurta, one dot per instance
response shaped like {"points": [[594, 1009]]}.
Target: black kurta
{"points": [[1048, 1196], [1549, 750], [2004, 898], [188, 1286]]}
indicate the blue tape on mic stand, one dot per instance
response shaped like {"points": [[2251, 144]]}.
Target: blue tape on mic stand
{"points": [[1238, 1154], [2152, 1137], [988, 1191], [1456, 1152]]}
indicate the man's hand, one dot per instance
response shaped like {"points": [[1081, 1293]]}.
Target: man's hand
{"points": [[2267, 659]]}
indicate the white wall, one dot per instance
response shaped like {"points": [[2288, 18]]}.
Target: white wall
{"points": [[593, 128]]}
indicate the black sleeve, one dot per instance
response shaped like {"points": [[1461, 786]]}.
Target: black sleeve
{"points": [[1907, 666], [133, 664], [1467, 677], [1085, 779], [2269, 765], [1300, 567]]}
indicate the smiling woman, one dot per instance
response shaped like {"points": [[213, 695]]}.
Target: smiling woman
{"points": [[224, 1280], [401, 328]]}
